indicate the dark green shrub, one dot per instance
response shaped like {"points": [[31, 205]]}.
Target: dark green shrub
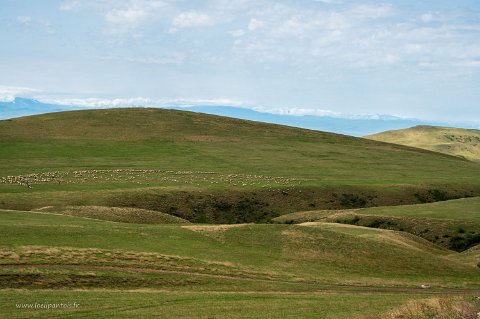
{"points": [[375, 223], [352, 201], [460, 243]]}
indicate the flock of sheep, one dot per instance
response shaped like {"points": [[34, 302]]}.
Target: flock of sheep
{"points": [[147, 176]]}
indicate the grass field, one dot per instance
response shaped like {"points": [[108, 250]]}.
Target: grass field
{"points": [[207, 168], [224, 271], [448, 140], [318, 252], [135, 304], [156, 213]]}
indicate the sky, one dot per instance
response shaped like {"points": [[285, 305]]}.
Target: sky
{"points": [[410, 58]]}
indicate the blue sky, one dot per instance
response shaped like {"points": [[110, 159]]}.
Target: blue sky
{"points": [[417, 59]]}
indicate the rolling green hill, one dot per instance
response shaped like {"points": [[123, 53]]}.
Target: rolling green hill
{"points": [[453, 141], [462, 210], [465, 210], [116, 214], [318, 269], [453, 224], [210, 168], [98, 203]]}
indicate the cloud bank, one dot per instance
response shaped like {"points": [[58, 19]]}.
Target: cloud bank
{"points": [[9, 93]]}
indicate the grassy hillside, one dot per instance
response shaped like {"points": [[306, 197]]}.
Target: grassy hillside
{"points": [[453, 141], [465, 209], [116, 214], [323, 253], [462, 210], [209, 168], [335, 270], [453, 224]]}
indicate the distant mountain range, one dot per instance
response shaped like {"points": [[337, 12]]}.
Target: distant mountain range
{"points": [[24, 107], [348, 126]]}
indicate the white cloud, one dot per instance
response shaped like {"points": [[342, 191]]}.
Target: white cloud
{"points": [[129, 15], [121, 16], [370, 11], [24, 19], [191, 102], [329, 1], [191, 19], [298, 111], [426, 17], [468, 64], [356, 36], [175, 58], [237, 33], [196, 102], [255, 24], [302, 111], [31, 23], [137, 102], [9, 93], [98, 102], [344, 35], [71, 5]]}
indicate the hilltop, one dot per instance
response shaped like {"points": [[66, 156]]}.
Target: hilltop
{"points": [[210, 168], [453, 141]]}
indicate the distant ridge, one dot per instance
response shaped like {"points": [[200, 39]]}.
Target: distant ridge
{"points": [[348, 126], [453, 141], [340, 125], [24, 107]]}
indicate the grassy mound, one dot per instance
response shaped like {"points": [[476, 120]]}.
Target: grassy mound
{"points": [[465, 209], [452, 224], [299, 256], [116, 214], [453, 141]]}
